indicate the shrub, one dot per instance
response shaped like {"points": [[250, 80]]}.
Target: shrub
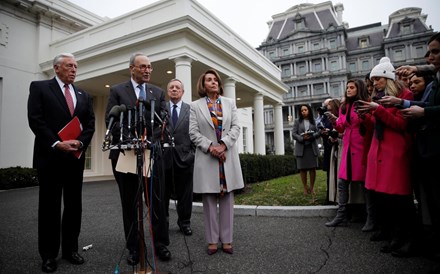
{"points": [[17, 177], [258, 168]]}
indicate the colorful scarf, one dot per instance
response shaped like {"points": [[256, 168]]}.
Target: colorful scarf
{"points": [[215, 109]]}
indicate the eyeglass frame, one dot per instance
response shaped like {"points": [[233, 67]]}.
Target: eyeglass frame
{"points": [[144, 67]]}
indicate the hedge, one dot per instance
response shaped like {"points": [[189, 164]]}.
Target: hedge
{"points": [[258, 168], [17, 177]]}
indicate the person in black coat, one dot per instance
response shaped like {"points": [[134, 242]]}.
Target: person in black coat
{"points": [[129, 94], [179, 156], [60, 164]]}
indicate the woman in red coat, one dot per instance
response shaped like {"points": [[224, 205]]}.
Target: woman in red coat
{"points": [[352, 167], [388, 164]]}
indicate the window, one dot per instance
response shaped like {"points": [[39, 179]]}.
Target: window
{"points": [[268, 117], [299, 25], [286, 71], [318, 89], [334, 65], [365, 65], [363, 43], [335, 90], [352, 67], [405, 29], [420, 51], [245, 146], [300, 48], [302, 68], [272, 55], [332, 43], [317, 67], [302, 91], [289, 94], [398, 55], [285, 51], [88, 163], [316, 46]]}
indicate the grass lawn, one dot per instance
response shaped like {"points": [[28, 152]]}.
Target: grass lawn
{"points": [[283, 191]]}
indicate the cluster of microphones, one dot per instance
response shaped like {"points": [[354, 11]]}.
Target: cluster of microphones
{"points": [[139, 134]]}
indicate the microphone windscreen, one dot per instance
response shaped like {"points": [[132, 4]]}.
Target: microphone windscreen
{"points": [[122, 108], [114, 112]]}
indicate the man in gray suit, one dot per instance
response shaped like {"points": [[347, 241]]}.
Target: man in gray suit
{"points": [[179, 157], [129, 93]]}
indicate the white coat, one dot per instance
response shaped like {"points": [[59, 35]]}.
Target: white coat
{"points": [[202, 134]]}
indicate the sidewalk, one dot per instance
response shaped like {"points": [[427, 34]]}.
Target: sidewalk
{"points": [[266, 240]]}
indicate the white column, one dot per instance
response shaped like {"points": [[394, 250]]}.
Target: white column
{"points": [[229, 88], [183, 73], [260, 137], [279, 134]]}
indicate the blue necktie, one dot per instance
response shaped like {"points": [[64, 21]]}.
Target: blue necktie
{"points": [[174, 116], [142, 94]]}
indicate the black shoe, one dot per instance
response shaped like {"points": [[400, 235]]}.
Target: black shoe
{"points": [[186, 230], [379, 236], [408, 250], [163, 253], [74, 258], [133, 258], [393, 246], [49, 266]]}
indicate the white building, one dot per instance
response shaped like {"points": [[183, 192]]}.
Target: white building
{"points": [[179, 36]]}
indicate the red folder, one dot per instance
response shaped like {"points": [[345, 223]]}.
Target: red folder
{"points": [[71, 131]]}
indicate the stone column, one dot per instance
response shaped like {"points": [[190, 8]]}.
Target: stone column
{"points": [[229, 88], [260, 137], [183, 73], [279, 132]]}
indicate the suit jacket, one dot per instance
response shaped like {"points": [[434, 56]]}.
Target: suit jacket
{"points": [[184, 150], [48, 113], [202, 133], [124, 94], [298, 129]]}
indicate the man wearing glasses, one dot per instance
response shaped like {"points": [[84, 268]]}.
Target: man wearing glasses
{"points": [[130, 94]]}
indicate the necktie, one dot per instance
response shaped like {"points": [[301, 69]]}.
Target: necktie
{"points": [[142, 94], [174, 116], [69, 99]]}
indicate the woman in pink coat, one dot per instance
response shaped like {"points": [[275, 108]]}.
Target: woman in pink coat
{"points": [[388, 164], [352, 167]]}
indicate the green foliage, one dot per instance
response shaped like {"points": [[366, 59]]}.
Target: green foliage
{"points": [[283, 191], [17, 177], [258, 168]]}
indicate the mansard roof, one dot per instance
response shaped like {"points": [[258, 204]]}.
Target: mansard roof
{"points": [[315, 18]]}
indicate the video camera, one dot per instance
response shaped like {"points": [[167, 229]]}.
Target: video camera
{"points": [[321, 110]]}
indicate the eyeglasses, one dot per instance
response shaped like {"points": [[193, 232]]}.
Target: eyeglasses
{"points": [[144, 67], [433, 52]]}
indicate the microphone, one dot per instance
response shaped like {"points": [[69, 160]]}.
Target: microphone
{"points": [[129, 113], [152, 105], [114, 112], [122, 109]]}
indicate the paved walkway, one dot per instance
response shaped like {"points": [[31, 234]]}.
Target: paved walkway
{"points": [[263, 243]]}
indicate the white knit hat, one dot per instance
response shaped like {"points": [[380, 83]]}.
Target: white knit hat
{"points": [[383, 69]]}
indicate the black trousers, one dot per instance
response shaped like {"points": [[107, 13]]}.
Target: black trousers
{"points": [[130, 191], [179, 186], [61, 182]]}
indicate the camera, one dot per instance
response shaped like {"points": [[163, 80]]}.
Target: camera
{"points": [[377, 97], [321, 110], [334, 134]]}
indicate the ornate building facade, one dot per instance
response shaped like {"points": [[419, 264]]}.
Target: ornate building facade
{"points": [[317, 53]]}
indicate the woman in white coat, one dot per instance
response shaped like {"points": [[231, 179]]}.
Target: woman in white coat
{"points": [[214, 130]]}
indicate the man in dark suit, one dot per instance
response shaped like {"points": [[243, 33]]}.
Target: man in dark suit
{"points": [[51, 105], [129, 93], [179, 157]]}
